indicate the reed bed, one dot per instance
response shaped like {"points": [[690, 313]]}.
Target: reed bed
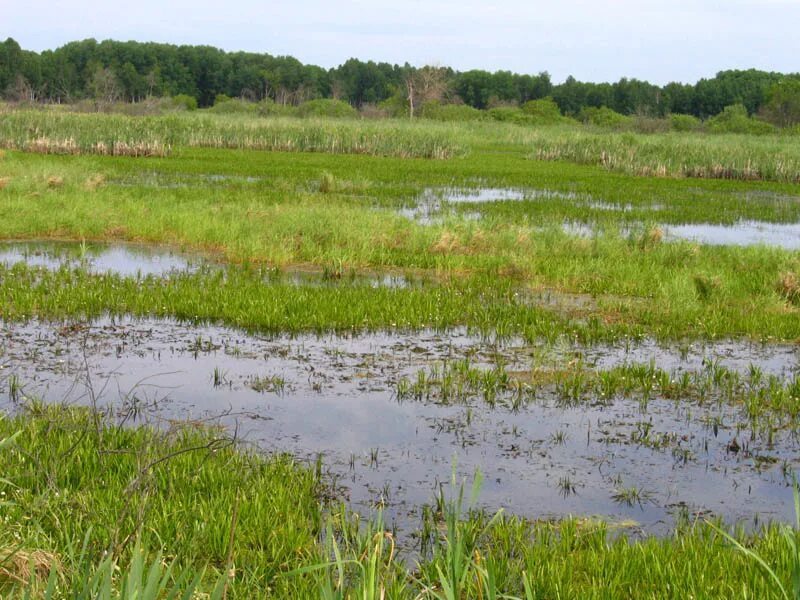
{"points": [[57, 132], [695, 155]]}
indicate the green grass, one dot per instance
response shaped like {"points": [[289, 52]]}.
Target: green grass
{"points": [[337, 213], [72, 480], [100, 508]]}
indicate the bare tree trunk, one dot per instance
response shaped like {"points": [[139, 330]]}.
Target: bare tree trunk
{"points": [[410, 85]]}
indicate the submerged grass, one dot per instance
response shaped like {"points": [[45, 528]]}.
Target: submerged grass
{"points": [[743, 304]]}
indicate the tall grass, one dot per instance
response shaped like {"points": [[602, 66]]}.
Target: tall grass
{"points": [[675, 154], [769, 158], [71, 133]]}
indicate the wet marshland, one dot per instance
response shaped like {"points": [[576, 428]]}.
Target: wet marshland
{"points": [[434, 205], [634, 432]]}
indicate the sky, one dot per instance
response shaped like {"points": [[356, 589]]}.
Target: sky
{"points": [[599, 40]]}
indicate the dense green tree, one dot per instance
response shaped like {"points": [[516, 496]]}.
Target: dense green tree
{"points": [[783, 104], [82, 69], [11, 63]]}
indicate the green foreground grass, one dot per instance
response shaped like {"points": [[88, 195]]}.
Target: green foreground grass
{"points": [[180, 510]]}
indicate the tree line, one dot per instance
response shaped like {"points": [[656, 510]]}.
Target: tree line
{"points": [[132, 71]]}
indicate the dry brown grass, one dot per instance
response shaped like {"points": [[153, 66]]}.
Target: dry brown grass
{"points": [[651, 238], [116, 232], [94, 182], [478, 241], [447, 243], [789, 287], [4, 181], [55, 181], [22, 566], [44, 145]]}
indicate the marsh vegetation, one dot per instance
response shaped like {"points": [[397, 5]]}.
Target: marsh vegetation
{"points": [[242, 355]]}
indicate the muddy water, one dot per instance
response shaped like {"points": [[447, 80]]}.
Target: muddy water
{"points": [[337, 400], [125, 260], [131, 260], [431, 205], [743, 233]]}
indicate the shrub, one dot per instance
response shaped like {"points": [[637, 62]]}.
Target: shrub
{"points": [[603, 117], [680, 122], [543, 111], [231, 106], [374, 111], [735, 119], [395, 106], [185, 102], [325, 107], [450, 112], [643, 124], [507, 114], [269, 108]]}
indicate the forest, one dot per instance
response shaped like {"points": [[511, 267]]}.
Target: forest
{"points": [[132, 71]]}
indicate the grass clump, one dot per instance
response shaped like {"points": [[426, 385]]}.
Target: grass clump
{"points": [[81, 490], [789, 287]]}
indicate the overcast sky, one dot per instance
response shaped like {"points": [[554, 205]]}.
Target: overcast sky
{"points": [[594, 40]]}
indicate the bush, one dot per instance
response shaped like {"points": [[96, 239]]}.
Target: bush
{"points": [[395, 106], [603, 117], [543, 111], [325, 107], [185, 101], [450, 112], [232, 106], [507, 114], [735, 119], [374, 111], [680, 122]]}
